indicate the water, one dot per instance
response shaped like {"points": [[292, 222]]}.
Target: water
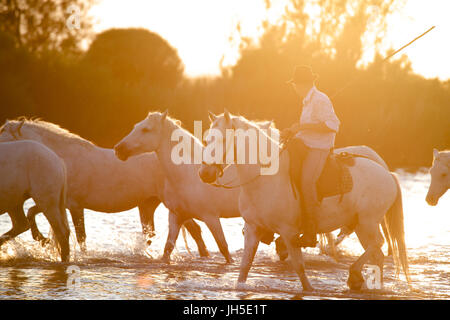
{"points": [[118, 266]]}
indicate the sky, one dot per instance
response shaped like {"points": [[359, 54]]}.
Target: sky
{"points": [[200, 29]]}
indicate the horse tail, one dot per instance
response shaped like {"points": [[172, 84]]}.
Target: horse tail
{"points": [[183, 231], [386, 236], [60, 242], [395, 227], [62, 200]]}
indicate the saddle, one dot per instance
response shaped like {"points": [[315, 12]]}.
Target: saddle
{"points": [[335, 178]]}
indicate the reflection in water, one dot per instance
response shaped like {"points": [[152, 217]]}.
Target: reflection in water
{"points": [[16, 280], [116, 265], [56, 279]]}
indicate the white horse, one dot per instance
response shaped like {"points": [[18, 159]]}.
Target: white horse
{"points": [[184, 192], [267, 203], [97, 180], [440, 176], [29, 169], [210, 174]]}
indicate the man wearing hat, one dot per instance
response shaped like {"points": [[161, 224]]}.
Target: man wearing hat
{"points": [[317, 130]]}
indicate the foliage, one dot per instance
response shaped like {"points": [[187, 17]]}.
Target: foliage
{"points": [[41, 25], [101, 93]]}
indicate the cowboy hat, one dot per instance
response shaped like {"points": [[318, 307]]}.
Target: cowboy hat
{"points": [[303, 74]]}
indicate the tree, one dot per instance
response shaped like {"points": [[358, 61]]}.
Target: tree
{"points": [[136, 56], [42, 25], [398, 113]]}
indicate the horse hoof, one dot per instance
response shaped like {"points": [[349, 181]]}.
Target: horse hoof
{"points": [[282, 255], [65, 258], [204, 254], [165, 260], [83, 248], [308, 289], [229, 260], [44, 241], [3, 239], [241, 285], [355, 280]]}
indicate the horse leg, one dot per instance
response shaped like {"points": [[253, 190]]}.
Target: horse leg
{"points": [[19, 224], [297, 262], [196, 233], [175, 223], [37, 235], [146, 214], [78, 222], [215, 227], [251, 242], [331, 246], [61, 230], [371, 239]]}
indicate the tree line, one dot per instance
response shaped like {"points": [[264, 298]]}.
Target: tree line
{"points": [[101, 92]]}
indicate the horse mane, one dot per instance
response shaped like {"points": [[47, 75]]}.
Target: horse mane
{"points": [[178, 125], [176, 122], [50, 130], [258, 123]]}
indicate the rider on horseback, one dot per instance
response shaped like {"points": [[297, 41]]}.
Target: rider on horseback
{"points": [[316, 129]]}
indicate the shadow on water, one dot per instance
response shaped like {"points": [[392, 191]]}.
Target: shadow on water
{"points": [[56, 278]]}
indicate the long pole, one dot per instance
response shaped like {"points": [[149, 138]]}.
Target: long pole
{"points": [[384, 60]]}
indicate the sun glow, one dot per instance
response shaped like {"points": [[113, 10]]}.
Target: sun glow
{"points": [[205, 35], [202, 31]]}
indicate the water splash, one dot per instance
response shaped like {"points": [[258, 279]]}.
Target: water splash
{"points": [[118, 263]]}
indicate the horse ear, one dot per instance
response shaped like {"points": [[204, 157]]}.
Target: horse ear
{"points": [[435, 153], [212, 116], [164, 115], [226, 113]]}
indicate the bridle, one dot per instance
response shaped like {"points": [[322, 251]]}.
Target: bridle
{"points": [[222, 168]]}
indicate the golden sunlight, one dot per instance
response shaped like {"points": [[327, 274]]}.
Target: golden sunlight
{"points": [[203, 30], [223, 150]]}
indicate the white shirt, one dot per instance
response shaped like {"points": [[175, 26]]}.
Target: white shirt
{"points": [[318, 108]]}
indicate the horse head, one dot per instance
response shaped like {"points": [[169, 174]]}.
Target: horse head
{"points": [[145, 137], [211, 170], [440, 177], [237, 140]]}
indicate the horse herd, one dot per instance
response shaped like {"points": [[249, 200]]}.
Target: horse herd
{"points": [[60, 170]]}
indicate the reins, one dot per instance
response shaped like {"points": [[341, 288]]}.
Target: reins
{"points": [[283, 148], [226, 186]]}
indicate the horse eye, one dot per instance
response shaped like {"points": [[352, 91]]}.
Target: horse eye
{"points": [[145, 129]]}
